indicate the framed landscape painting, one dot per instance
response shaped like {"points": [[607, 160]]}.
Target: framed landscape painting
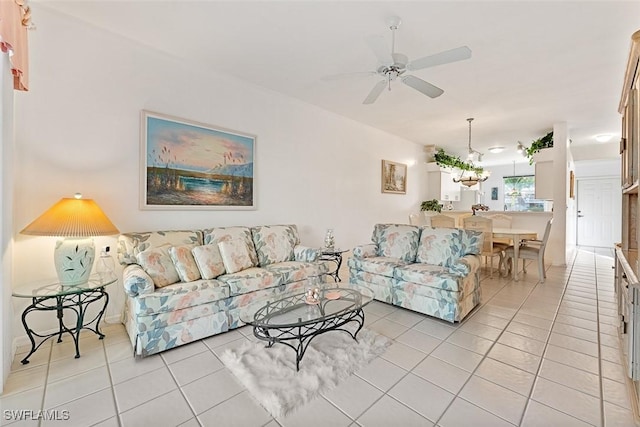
{"points": [[394, 177], [191, 165]]}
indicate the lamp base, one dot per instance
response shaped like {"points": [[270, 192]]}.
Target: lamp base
{"points": [[73, 259]]}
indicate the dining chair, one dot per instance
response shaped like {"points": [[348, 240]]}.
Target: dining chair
{"points": [[445, 221], [417, 219], [489, 248], [461, 218], [531, 249], [502, 221]]}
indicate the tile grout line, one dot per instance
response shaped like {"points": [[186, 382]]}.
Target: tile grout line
{"points": [[547, 344], [113, 389], [442, 341], [485, 356], [456, 395], [46, 382], [601, 388]]}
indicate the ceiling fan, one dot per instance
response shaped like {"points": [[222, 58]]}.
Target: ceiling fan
{"points": [[397, 64]]}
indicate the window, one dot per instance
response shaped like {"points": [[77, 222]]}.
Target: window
{"points": [[519, 194]]}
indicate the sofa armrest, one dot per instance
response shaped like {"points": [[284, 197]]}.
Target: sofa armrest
{"points": [[365, 251], [465, 265], [306, 253], [136, 281]]}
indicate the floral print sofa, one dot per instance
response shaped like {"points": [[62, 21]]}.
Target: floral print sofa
{"points": [[182, 286], [434, 271]]}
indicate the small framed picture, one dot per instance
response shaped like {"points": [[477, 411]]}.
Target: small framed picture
{"points": [[394, 177], [494, 193]]}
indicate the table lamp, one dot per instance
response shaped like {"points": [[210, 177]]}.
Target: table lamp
{"points": [[77, 220]]}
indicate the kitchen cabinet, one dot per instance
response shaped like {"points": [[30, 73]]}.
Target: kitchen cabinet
{"points": [[627, 287], [544, 180], [440, 183]]}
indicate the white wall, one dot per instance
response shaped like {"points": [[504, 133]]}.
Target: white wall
{"points": [[498, 172], [78, 130], [6, 214]]}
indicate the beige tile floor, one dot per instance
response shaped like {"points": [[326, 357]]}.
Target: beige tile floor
{"points": [[531, 355]]}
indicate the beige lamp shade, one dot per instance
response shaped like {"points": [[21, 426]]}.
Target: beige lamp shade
{"points": [[77, 220], [72, 217]]}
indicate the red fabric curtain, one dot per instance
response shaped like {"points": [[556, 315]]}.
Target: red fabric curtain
{"points": [[15, 17]]}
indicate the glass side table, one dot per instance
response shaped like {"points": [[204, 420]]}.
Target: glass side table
{"points": [[335, 256], [76, 298]]}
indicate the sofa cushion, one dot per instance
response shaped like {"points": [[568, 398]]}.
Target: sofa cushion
{"points": [[131, 244], [294, 271], [235, 255], [223, 234], [179, 296], [274, 243], [184, 263], [157, 263], [377, 265], [208, 260], [249, 280], [306, 253], [445, 246], [396, 241]]}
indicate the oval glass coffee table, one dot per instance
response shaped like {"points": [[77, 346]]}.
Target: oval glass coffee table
{"points": [[295, 320]]}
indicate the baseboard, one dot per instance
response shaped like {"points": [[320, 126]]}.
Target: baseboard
{"points": [[24, 339]]}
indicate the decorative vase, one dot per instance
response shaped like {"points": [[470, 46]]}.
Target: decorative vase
{"points": [[329, 239]]}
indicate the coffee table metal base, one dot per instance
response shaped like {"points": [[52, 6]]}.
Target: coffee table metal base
{"points": [[299, 337]]}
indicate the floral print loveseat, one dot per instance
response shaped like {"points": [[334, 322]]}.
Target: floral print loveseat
{"points": [[182, 286], [434, 271]]}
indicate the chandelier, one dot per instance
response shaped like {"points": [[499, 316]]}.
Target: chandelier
{"points": [[469, 178]]}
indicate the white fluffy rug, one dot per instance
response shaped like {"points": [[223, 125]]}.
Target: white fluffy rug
{"points": [[270, 373]]}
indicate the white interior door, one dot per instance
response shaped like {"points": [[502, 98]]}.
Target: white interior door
{"points": [[599, 212]]}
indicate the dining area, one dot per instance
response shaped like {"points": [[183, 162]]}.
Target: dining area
{"points": [[514, 239]]}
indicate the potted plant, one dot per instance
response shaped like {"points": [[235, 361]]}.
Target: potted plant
{"points": [[538, 144], [445, 160], [431, 205]]}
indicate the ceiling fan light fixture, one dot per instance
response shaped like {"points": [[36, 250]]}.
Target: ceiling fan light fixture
{"points": [[469, 178], [605, 137], [496, 150]]}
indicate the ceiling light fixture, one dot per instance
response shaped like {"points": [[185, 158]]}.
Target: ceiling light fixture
{"points": [[520, 148], [496, 150], [472, 177], [605, 137], [472, 152]]}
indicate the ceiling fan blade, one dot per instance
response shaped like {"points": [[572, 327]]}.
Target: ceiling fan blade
{"points": [[375, 92], [421, 86], [380, 49], [453, 55], [344, 76]]}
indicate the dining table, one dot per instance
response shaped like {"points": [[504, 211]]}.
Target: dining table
{"points": [[516, 235]]}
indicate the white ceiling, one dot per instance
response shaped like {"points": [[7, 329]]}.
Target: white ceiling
{"points": [[533, 64]]}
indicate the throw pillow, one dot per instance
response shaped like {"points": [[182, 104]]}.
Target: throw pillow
{"points": [[209, 261], [184, 263], [235, 255], [158, 265]]}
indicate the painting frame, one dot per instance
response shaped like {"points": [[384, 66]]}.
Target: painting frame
{"points": [[189, 165], [393, 177], [494, 193]]}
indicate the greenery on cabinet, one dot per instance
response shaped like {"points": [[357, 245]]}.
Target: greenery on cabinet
{"points": [[445, 160], [431, 205], [538, 144]]}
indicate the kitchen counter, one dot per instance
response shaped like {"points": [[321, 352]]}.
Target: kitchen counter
{"points": [[526, 220]]}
